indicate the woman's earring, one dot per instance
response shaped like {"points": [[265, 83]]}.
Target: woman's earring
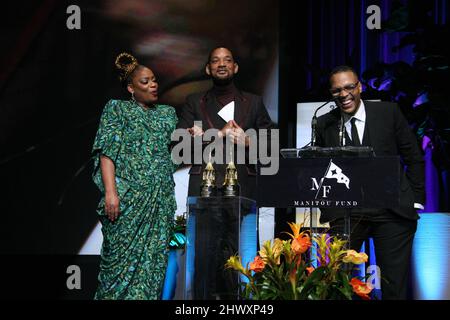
{"points": [[132, 97]]}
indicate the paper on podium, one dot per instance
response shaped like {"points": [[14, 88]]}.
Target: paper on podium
{"points": [[227, 112]]}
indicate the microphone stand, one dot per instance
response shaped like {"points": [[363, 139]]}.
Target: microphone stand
{"points": [[348, 213], [342, 133], [313, 211]]}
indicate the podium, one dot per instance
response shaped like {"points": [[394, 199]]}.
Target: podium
{"points": [[341, 177], [341, 181], [217, 228]]}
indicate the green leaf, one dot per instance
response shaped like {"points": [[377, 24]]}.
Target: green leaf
{"points": [[312, 281]]}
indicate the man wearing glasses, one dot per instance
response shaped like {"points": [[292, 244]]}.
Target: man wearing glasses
{"points": [[382, 126]]}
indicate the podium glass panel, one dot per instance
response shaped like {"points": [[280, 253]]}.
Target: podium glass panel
{"points": [[217, 228]]}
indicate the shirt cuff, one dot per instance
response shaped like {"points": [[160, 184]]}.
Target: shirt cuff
{"points": [[418, 206]]}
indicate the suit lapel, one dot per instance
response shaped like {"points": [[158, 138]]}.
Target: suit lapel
{"points": [[241, 109], [369, 125], [333, 128], [209, 109]]}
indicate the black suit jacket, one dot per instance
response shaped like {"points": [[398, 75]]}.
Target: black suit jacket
{"points": [[387, 131], [249, 112]]}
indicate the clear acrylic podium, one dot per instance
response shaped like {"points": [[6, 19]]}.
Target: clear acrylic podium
{"points": [[217, 228]]}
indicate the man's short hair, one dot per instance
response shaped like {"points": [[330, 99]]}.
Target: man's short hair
{"points": [[218, 47], [342, 68]]}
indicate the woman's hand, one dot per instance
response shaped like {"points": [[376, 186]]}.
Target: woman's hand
{"points": [[111, 198], [112, 208]]}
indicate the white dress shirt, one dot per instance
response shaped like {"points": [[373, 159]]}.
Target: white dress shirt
{"points": [[360, 122]]}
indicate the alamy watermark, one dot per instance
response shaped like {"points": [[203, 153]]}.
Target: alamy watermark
{"points": [[374, 20], [263, 148], [74, 19], [74, 279]]}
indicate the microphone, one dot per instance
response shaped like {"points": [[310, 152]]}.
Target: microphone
{"points": [[341, 132], [314, 121]]}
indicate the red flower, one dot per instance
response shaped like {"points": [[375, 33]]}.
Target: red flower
{"points": [[362, 289], [310, 270], [258, 264], [301, 244]]}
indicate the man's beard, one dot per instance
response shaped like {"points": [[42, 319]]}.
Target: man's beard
{"points": [[222, 82]]}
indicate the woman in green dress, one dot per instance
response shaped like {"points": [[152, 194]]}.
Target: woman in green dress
{"points": [[134, 171]]}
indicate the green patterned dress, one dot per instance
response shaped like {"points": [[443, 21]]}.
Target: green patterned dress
{"points": [[135, 246]]}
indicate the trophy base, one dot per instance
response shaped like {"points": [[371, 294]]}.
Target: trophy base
{"points": [[231, 191], [208, 191]]}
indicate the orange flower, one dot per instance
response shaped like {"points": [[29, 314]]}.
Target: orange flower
{"points": [[258, 264], [301, 244], [295, 227], [310, 270], [362, 289]]}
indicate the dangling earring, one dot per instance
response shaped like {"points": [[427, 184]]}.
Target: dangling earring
{"points": [[132, 97]]}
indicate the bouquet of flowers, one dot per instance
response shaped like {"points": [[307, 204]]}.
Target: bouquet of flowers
{"points": [[284, 269]]}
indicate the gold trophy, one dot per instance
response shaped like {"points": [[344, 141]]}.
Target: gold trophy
{"points": [[208, 186], [231, 186]]}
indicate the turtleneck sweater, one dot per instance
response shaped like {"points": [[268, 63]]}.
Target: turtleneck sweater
{"points": [[224, 93]]}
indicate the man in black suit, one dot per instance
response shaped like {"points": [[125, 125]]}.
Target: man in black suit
{"points": [[249, 113], [382, 126]]}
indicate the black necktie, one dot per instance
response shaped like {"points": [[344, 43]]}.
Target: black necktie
{"points": [[355, 137]]}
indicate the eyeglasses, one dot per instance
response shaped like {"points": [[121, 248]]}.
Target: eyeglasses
{"points": [[347, 88]]}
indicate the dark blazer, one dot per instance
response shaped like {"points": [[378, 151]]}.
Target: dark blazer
{"points": [[249, 112], [387, 131]]}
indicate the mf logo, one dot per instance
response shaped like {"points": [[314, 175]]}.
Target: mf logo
{"points": [[317, 187], [333, 172]]}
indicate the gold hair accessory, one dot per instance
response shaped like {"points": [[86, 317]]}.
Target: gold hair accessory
{"points": [[126, 63]]}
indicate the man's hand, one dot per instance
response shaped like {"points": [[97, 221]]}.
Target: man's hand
{"points": [[239, 137], [235, 132], [195, 131], [226, 129], [112, 205]]}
